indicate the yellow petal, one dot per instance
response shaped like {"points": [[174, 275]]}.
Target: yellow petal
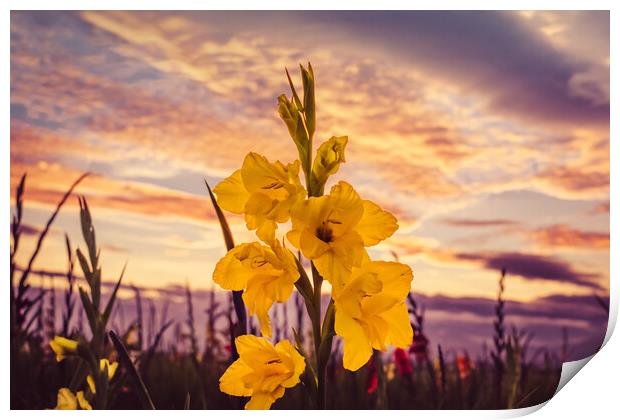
{"points": [[346, 252], [83, 402], [232, 382], [260, 175], [266, 232], [310, 213], [333, 270], [231, 193], [376, 329], [259, 301], [400, 332], [350, 249], [290, 354], [103, 363], [230, 273], [294, 237], [349, 298], [256, 351], [91, 384], [260, 401], [357, 348], [258, 205], [396, 277], [63, 347], [346, 208], [66, 400], [375, 224], [311, 246], [286, 259]]}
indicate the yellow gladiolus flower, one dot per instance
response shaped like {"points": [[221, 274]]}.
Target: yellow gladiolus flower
{"points": [[103, 363], [63, 347], [266, 275], [263, 191], [263, 371], [333, 231], [370, 311], [69, 401]]}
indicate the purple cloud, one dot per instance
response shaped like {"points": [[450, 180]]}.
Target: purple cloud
{"points": [[534, 267]]}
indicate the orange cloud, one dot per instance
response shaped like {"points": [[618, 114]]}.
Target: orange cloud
{"points": [[563, 236], [478, 223], [46, 183]]}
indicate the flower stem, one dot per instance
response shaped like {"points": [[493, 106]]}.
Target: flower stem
{"points": [[317, 281]]}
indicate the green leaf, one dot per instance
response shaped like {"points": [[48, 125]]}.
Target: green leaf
{"points": [[88, 231], [230, 244], [125, 360], [307, 77], [295, 96], [288, 113], [327, 334], [88, 309], [110, 304], [302, 142], [85, 267], [304, 288], [309, 376], [228, 238]]}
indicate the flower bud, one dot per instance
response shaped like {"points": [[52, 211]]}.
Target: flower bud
{"points": [[327, 161]]}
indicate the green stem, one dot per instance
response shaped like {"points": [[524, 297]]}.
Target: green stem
{"points": [[321, 361]]}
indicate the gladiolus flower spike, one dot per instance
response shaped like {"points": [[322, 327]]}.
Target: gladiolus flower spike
{"points": [[368, 298]]}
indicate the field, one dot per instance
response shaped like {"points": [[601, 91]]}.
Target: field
{"points": [[181, 372]]}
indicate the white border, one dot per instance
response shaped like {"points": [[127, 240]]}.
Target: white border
{"points": [[594, 394]]}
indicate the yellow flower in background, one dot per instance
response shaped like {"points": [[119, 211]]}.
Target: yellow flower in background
{"points": [[266, 275], [263, 191], [263, 371], [103, 364], [370, 311], [69, 401], [333, 231], [63, 347]]}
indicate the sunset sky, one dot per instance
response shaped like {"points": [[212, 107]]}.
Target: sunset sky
{"points": [[485, 133]]}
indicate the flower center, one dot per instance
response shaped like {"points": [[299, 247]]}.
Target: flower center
{"points": [[324, 233], [258, 262]]}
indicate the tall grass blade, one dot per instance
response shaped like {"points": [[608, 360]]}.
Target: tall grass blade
{"points": [[143, 393], [108, 309], [47, 227]]}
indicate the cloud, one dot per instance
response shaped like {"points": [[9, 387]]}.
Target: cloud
{"points": [[601, 208], [531, 266], [30, 230], [153, 88], [563, 236], [46, 183], [575, 182], [478, 223], [550, 307], [518, 70], [441, 108]]}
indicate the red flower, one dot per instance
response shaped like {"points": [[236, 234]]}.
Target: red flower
{"points": [[373, 379], [402, 362], [464, 365]]}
